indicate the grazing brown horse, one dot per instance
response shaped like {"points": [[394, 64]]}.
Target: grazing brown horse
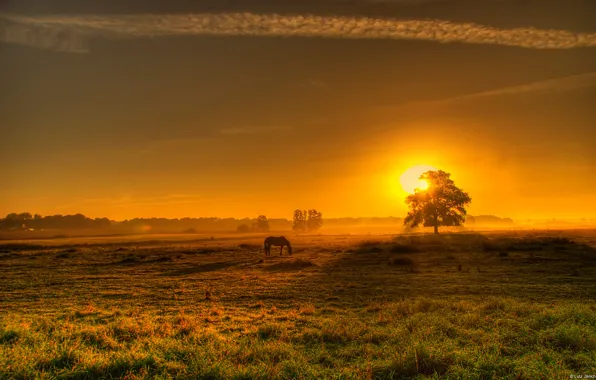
{"points": [[279, 241]]}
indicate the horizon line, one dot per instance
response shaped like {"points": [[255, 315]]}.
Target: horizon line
{"points": [[514, 220]]}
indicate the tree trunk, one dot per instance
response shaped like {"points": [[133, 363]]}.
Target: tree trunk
{"points": [[436, 229]]}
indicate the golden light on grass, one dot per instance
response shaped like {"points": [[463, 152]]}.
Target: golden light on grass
{"points": [[410, 179]]}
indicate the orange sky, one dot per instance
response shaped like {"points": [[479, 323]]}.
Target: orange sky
{"points": [[197, 125]]}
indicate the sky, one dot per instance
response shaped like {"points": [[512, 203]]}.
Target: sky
{"points": [[241, 108]]}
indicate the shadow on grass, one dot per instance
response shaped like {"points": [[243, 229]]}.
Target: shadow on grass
{"points": [[466, 242], [7, 248], [288, 266], [459, 263], [209, 267]]}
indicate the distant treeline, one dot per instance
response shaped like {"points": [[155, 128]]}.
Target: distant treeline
{"points": [[26, 220], [55, 222]]}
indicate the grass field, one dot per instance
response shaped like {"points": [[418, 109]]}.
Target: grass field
{"points": [[496, 305]]}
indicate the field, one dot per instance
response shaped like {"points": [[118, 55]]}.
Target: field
{"points": [[516, 305]]}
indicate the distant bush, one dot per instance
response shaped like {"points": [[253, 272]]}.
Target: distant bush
{"points": [[243, 228], [261, 224]]}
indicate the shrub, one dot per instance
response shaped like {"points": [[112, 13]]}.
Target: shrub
{"points": [[243, 228]]}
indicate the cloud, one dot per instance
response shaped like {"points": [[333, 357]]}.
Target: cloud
{"points": [[568, 83], [72, 33], [57, 37]]}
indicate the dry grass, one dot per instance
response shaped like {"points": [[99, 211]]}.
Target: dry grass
{"points": [[415, 306]]}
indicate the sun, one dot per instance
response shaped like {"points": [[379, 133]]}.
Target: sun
{"points": [[410, 178]]}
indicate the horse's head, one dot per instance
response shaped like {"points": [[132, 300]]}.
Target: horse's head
{"points": [[289, 249]]}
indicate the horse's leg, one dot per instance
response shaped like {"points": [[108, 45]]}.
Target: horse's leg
{"points": [[281, 249]]}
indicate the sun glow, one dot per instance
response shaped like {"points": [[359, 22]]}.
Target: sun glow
{"points": [[410, 179]]}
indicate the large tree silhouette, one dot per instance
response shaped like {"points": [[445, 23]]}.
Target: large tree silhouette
{"points": [[441, 204]]}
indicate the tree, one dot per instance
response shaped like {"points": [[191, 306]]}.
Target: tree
{"points": [[299, 221], [261, 224], [14, 220], [441, 204], [310, 220], [315, 220]]}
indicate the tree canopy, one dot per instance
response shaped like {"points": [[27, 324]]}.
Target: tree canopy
{"points": [[441, 204], [303, 221]]}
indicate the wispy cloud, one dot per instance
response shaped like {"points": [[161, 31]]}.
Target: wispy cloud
{"points": [[71, 33], [558, 84], [33, 33]]}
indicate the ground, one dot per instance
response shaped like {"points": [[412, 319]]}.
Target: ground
{"points": [[518, 305]]}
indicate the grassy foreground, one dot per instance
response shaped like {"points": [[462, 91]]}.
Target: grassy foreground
{"points": [[458, 306]]}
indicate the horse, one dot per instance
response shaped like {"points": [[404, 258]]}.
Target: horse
{"points": [[279, 241]]}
